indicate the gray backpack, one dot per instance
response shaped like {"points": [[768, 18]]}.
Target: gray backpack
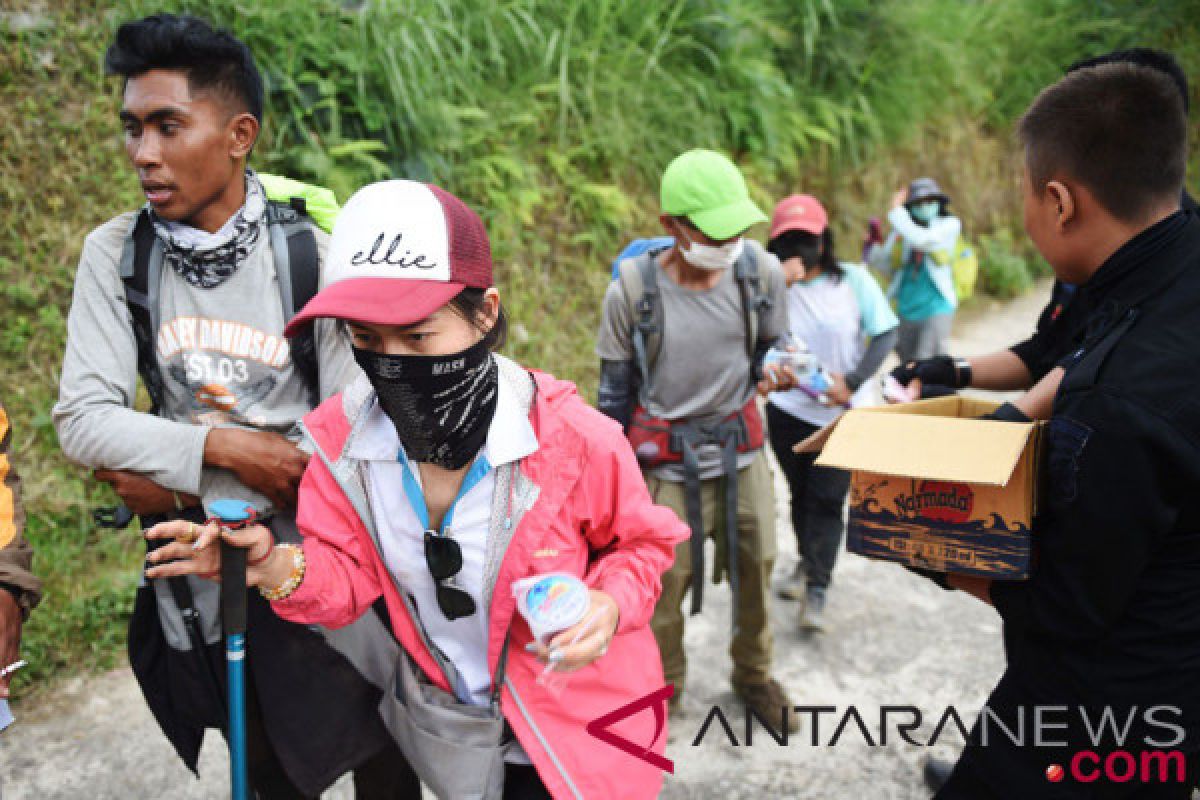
{"points": [[638, 278]]}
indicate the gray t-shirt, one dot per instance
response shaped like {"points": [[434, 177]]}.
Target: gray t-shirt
{"points": [[222, 353], [703, 371], [223, 359]]}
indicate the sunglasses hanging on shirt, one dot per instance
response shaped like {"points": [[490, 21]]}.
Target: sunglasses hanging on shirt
{"points": [[443, 556]]}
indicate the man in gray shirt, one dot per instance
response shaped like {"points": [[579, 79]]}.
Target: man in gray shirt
{"points": [[228, 389], [681, 343]]}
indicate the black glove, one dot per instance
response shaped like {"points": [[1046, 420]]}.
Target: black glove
{"points": [[1007, 413], [936, 371], [937, 577]]}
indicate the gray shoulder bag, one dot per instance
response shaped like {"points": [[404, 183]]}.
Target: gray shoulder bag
{"points": [[456, 748]]}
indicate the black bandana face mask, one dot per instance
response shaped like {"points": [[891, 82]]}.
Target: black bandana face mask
{"points": [[442, 406]]}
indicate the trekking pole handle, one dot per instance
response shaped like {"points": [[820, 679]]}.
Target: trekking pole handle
{"points": [[233, 515], [233, 588]]}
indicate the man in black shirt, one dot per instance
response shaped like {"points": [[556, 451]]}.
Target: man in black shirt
{"points": [[1108, 625], [1026, 363]]}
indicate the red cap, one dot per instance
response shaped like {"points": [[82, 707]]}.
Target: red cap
{"points": [[400, 251], [799, 212]]}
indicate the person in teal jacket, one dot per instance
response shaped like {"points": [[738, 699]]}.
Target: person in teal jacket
{"points": [[918, 256]]}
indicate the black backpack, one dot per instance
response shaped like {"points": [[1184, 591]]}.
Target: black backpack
{"points": [[294, 246]]}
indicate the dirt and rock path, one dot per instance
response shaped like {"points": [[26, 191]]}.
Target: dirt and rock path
{"points": [[894, 640]]}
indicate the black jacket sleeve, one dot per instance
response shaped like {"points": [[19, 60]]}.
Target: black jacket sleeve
{"points": [[1117, 478], [1035, 352], [1054, 336], [872, 359], [760, 356], [617, 391]]}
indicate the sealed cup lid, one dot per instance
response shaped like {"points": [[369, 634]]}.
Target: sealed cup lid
{"points": [[554, 602]]}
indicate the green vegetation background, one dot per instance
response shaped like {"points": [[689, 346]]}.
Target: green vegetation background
{"points": [[553, 118]]}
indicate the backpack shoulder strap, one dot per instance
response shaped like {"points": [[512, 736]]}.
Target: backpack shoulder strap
{"points": [[297, 266], [754, 300], [141, 273], [638, 278], [294, 246]]}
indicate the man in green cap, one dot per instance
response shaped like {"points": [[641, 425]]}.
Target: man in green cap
{"points": [[684, 331]]}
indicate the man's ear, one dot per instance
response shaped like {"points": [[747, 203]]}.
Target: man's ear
{"points": [[1060, 195], [669, 224], [243, 132]]}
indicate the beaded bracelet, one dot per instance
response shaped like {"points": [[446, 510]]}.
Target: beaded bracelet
{"points": [[293, 581]]}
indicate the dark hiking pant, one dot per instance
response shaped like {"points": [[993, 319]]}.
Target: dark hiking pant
{"points": [[818, 497]]}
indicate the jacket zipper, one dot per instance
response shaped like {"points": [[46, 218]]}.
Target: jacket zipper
{"points": [[444, 664], [542, 739]]}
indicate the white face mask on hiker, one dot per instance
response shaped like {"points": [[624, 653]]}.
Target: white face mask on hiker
{"points": [[925, 212], [705, 256]]}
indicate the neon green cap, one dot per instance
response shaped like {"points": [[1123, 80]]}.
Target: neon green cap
{"points": [[708, 189]]}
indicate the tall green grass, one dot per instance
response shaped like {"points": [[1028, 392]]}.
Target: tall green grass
{"points": [[554, 119]]}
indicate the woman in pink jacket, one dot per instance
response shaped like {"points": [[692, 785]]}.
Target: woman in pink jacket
{"points": [[442, 477]]}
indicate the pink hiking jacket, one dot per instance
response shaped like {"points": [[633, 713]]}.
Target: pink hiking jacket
{"points": [[593, 518]]}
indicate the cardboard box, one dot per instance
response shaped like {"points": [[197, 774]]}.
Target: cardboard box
{"points": [[934, 487]]}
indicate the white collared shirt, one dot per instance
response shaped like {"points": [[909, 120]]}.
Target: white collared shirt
{"points": [[402, 534]]}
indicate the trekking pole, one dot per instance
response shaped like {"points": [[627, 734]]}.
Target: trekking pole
{"points": [[235, 514]]}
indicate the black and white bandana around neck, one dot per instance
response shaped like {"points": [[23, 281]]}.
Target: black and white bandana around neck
{"points": [[206, 260]]}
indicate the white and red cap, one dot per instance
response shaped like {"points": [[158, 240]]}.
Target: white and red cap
{"points": [[400, 251]]}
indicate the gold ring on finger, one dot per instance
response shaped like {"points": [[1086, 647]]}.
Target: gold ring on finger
{"points": [[191, 535]]}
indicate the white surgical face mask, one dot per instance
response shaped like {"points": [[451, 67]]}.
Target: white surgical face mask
{"points": [[704, 256]]}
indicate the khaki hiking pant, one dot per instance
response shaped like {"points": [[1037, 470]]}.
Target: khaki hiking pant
{"points": [[752, 642]]}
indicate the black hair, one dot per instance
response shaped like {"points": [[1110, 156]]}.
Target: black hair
{"points": [[212, 59], [829, 262], [469, 304], [1160, 60], [792, 243], [1117, 128], [943, 209], [686, 222]]}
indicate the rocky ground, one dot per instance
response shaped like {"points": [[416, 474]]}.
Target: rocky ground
{"points": [[894, 640]]}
